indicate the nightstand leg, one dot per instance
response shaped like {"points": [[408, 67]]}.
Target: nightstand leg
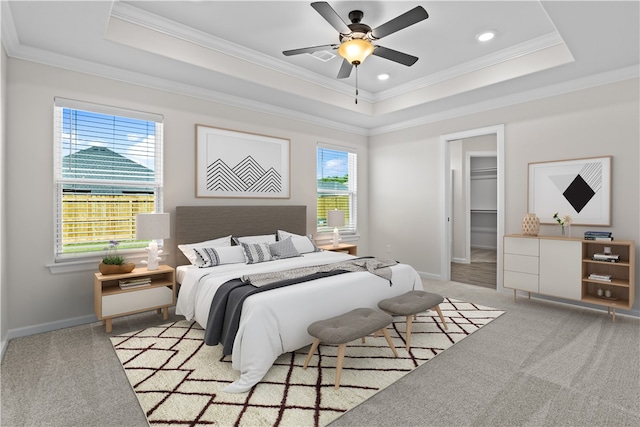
{"points": [[107, 325], [165, 313]]}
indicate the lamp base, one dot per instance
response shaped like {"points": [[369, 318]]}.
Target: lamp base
{"points": [[336, 238], [153, 260]]}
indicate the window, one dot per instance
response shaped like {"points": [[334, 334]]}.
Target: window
{"points": [[108, 168], [337, 186]]}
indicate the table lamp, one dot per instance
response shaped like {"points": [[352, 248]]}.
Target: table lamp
{"points": [[153, 226], [335, 218]]}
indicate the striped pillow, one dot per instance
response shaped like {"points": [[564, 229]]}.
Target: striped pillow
{"points": [[256, 252], [210, 257]]}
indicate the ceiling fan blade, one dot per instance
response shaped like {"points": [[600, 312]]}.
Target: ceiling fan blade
{"points": [[310, 49], [331, 16], [405, 20], [395, 56], [345, 69]]}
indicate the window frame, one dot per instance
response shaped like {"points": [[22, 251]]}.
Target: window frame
{"points": [[59, 181], [351, 217]]}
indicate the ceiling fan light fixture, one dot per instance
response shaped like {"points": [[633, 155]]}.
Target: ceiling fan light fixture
{"points": [[355, 51]]}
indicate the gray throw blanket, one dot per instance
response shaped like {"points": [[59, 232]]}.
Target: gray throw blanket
{"points": [[377, 266]]}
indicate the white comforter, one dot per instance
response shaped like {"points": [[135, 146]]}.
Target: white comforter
{"points": [[276, 321]]}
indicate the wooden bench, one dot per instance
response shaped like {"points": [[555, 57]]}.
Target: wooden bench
{"points": [[410, 304], [347, 327]]}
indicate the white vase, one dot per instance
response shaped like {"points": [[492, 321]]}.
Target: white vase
{"points": [[530, 225]]}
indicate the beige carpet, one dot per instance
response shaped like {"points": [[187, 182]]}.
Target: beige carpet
{"points": [[178, 380]]}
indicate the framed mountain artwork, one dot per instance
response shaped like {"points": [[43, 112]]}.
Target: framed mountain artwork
{"points": [[230, 163]]}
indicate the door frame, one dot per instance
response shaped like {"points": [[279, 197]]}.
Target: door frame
{"points": [[446, 197]]}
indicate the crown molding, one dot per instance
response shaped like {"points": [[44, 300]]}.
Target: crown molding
{"points": [[522, 49], [9, 34], [144, 80], [171, 28], [516, 98], [14, 49], [140, 79]]}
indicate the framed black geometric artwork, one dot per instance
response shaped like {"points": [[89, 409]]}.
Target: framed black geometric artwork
{"points": [[240, 164], [580, 188]]}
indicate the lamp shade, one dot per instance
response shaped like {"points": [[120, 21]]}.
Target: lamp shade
{"points": [[335, 218], [153, 226], [355, 51]]}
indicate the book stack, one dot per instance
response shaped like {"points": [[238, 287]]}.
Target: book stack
{"points": [[598, 235], [602, 277], [134, 283], [606, 257]]}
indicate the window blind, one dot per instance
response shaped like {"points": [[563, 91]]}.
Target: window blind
{"points": [[337, 186], [108, 167]]}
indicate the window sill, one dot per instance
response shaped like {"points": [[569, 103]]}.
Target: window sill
{"points": [[91, 264]]}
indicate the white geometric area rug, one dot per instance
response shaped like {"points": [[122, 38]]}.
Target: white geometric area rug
{"points": [[178, 380]]}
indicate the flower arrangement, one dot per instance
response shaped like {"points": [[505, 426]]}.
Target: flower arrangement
{"points": [[112, 257], [562, 220]]}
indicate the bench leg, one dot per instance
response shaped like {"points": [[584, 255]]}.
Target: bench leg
{"points": [[437, 309], [408, 334], [341, 349], [388, 338], [312, 350]]}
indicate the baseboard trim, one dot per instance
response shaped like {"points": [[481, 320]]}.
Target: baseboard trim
{"points": [[50, 326], [3, 347], [430, 276]]}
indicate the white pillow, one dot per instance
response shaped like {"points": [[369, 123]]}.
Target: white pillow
{"points": [[265, 238], [188, 249], [303, 244], [210, 257]]}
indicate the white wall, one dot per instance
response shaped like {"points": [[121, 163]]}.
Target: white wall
{"points": [[404, 169], [40, 300]]}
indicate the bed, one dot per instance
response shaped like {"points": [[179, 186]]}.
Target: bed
{"points": [[275, 321]]}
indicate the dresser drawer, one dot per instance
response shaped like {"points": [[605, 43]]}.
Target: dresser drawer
{"points": [[521, 246], [521, 263], [521, 281]]}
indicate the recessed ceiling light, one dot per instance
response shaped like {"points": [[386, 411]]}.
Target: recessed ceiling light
{"points": [[485, 36], [383, 76]]}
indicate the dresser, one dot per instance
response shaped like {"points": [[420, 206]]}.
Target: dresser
{"points": [[565, 267]]}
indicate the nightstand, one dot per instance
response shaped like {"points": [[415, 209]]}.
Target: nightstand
{"points": [[342, 247], [111, 300]]}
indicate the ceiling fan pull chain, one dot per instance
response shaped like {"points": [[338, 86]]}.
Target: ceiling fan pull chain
{"points": [[356, 84]]}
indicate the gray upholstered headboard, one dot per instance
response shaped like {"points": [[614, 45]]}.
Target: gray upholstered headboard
{"points": [[200, 223]]}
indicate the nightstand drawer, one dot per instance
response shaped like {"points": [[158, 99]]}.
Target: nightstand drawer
{"points": [[140, 299]]}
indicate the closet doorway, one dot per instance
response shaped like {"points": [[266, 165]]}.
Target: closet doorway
{"points": [[474, 206], [477, 201]]}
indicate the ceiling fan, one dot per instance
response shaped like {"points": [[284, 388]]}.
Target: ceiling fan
{"points": [[356, 38]]}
